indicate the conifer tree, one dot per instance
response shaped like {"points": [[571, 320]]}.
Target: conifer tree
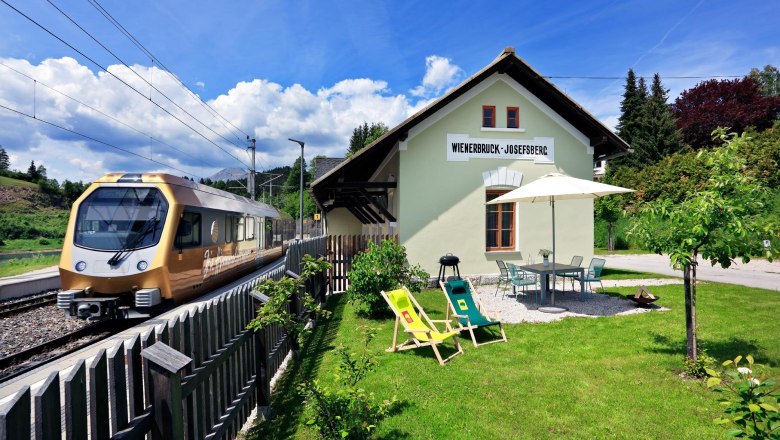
{"points": [[631, 121], [5, 162], [659, 135], [32, 172]]}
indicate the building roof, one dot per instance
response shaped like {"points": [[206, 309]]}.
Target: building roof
{"points": [[361, 166], [324, 164]]}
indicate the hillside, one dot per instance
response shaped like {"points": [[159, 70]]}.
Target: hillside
{"points": [[29, 219]]}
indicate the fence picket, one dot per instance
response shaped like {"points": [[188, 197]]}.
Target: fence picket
{"points": [[135, 377], [47, 408], [98, 397], [76, 402], [15, 416], [117, 388]]}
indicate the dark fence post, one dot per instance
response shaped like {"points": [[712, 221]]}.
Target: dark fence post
{"points": [[165, 368]]}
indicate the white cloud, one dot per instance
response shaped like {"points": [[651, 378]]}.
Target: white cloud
{"points": [[200, 84], [266, 110], [440, 74]]}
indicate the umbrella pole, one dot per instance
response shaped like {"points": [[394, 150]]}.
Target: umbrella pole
{"points": [[552, 202]]}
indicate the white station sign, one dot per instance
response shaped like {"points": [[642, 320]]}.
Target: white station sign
{"points": [[461, 148]]}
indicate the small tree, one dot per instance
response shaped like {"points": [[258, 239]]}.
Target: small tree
{"points": [[722, 221], [32, 172]]}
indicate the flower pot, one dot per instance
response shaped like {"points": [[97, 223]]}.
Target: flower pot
{"points": [[546, 261]]}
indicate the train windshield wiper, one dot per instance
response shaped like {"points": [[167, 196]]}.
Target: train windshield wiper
{"points": [[148, 227]]}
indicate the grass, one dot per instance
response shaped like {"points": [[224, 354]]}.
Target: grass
{"points": [[21, 265], [624, 274], [27, 244], [7, 181], [604, 251], [615, 377]]}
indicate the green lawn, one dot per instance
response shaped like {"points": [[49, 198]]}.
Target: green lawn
{"points": [[21, 265], [625, 274], [30, 244], [7, 181], [604, 251], [614, 377]]}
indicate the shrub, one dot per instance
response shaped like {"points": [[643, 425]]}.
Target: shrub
{"points": [[753, 405], [348, 411], [43, 241], [382, 267], [698, 368]]}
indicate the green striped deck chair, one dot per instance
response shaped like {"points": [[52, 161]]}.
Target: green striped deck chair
{"points": [[468, 309]]}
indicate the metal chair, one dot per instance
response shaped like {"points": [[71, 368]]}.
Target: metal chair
{"points": [[593, 273], [503, 276], [575, 261], [522, 279]]}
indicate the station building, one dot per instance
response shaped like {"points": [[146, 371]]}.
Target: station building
{"points": [[428, 179]]}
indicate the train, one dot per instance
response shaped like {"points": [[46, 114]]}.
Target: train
{"points": [[138, 244]]}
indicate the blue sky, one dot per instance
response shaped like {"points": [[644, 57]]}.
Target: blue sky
{"points": [[314, 70]]}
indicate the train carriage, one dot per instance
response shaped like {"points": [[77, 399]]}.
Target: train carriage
{"points": [[137, 243]]}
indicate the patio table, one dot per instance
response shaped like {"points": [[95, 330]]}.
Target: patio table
{"points": [[545, 271]]}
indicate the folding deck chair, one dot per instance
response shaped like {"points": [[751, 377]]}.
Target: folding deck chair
{"points": [[421, 334], [468, 309]]}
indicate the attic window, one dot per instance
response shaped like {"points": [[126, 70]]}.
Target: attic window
{"points": [[488, 115]]}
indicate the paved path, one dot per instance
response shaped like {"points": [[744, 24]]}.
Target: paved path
{"points": [[757, 273]]}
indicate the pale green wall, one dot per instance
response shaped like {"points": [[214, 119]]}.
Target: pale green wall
{"points": [[341, 222], [443, 205]]}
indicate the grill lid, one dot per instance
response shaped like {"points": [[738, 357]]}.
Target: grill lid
{"points": [[449, 260]]}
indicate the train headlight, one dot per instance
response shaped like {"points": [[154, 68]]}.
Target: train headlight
{"points": [[80, 266], [142, 265]]}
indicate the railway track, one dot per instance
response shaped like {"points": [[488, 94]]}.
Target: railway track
{"points": [[26, 360], [9, 308]]}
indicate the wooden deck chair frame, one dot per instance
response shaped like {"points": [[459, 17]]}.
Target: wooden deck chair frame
{"points": [[482, 310], [413, 342]]}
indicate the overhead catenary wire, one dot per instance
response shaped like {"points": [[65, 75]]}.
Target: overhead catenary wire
{"points": [[154, 58], [19, 112], [119, 79], [644, 77], [138, 75], [37, 82]]}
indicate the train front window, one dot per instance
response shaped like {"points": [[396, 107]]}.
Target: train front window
{"points": [[112, 219]]}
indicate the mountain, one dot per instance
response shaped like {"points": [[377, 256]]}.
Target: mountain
{"points": [[229, 174]]}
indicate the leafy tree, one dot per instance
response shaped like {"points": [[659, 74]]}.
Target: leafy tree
{"points": [[41, 171], [768, 80], [293, 179], [32, 172], [610, 210], [5, 162], [364, 134], [722, 221], [737, 104], [72, 191]]}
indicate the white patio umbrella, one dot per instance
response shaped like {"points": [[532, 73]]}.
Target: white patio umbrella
{"points": [[557, 186]]}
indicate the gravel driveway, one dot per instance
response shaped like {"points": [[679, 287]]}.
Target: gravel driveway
{"points": [[756, 273]]}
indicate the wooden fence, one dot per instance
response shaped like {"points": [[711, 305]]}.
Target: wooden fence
{"points": [[196, 376], [342, 249]]}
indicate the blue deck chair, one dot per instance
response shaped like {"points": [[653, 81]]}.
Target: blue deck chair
{"points": [[468, 309]]}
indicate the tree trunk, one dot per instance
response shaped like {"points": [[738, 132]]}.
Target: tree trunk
{"points": [[690, 312], [610, 242]]}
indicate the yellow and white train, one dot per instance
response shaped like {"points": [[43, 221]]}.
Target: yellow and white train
{"points": [[139, 243]]}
